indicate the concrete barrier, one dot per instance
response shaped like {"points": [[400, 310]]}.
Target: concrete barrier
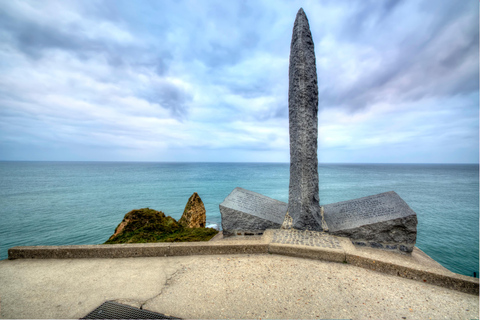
{"points": [[416, 266]]}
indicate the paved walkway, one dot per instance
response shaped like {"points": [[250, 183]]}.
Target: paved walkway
{"points": [[282, 274], [222, 286]]}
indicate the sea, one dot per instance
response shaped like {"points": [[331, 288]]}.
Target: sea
{"points": [[65, 203]]}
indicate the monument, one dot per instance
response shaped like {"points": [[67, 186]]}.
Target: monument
{"points": [[303, 199], [380, 221], [246, 212]]}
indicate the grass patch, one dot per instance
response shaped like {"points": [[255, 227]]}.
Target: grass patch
{"points": [[148, 225]]}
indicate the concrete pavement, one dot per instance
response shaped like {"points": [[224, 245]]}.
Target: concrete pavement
{"points": [[297, 282], [222, 286]]}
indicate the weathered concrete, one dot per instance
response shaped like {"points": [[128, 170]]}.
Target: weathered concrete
{"points": [[71, 288], [286, 287], [303, 198], [416, 266], [222, 286], [137, 250], [307, 244]]}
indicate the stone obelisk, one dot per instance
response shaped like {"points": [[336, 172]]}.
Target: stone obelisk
{"points": [[303, 199]]}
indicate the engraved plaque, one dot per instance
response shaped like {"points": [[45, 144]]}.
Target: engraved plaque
{"points": [[244, 210], [381, 221], [368, 210]]}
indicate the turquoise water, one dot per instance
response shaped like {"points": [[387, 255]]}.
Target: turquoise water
{"points": [[59, 203]]}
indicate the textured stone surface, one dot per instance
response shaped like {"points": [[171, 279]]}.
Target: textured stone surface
{"points": [[247, 211], [303, 199], [380, 221], [306, 238], [287, 222], [194, 215]]}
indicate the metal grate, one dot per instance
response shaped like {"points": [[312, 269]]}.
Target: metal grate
{"points": [[115, 310]]}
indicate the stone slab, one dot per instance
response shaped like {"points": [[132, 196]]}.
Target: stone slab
{"points": [[246, 212], [380, 221]]}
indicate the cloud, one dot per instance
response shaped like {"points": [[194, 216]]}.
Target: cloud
{"points": [[157, 80], [168, 94], [31, 29], [364, 17], [384, 61]]}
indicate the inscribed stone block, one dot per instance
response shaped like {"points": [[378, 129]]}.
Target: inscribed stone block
{"points": [[379, 221], [245, 211]]}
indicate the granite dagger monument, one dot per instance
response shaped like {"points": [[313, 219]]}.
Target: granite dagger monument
{"points": [[382, 221], [303, 199]]}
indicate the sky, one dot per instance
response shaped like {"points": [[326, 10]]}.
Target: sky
{"points": [[207, 80]]}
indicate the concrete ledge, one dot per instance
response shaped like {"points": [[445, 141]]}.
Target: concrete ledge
{"points": [[433, 276], [205, 248], [326, 254], [136, 250], [90, 251], [416, 266]]}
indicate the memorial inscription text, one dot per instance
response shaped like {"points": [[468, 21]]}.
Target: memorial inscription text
{"points": [[253, 204], [362, 209]]}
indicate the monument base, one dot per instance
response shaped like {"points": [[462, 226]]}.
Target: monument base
{"points": [[382, 221], [246, 212]]}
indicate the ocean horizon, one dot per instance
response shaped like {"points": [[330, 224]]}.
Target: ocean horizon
{"points": [[82, 202]]}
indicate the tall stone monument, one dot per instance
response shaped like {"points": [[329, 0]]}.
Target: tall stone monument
{"points": [[303, 199], [382, 221]]}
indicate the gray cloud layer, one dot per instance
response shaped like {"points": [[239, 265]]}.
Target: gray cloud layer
{"points": [[159, 76], [437, 56]]}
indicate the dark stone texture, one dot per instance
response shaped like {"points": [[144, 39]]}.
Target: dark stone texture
{"points": [[376, 245], [245, 211], [303, 199], [380, 219]]}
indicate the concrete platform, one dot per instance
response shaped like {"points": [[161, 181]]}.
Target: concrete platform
{"points": [[278, 275]]}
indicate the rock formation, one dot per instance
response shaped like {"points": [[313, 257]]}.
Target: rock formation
{"points": [[303, 199], [194, 215], [143, 225], [148, 225]]}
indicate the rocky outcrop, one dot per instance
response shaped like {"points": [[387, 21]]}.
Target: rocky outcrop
{"points": [[148, 225], [194, 215], [143, 225]]}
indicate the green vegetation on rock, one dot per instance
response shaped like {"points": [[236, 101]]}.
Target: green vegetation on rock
{"points": [[148, 225]]}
